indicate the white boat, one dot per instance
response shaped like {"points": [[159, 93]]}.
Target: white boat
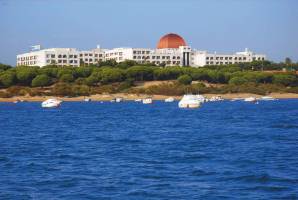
{"points": [[16, 101], [118, 99], [267, 98], [250, 99], [201, 98], [189, 101], [216, 98], [87, 99], [51, 103], [147, 101], [138, 100], [169, 100], [236, 99]]}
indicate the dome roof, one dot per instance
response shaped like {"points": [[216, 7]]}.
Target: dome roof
{"points": [[171, 40]]}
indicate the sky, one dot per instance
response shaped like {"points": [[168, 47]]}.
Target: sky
{"points": [[225, 26]]}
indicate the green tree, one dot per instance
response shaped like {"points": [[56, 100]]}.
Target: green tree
{"points": [[8, 78], [110, 75], [62, 89], [67, 78], [185, 79], [41, 81], [140, 73], [25, 75], [82, 72], [80, 90], [4, 67], [288, 61], [237, 80], [284, 79]]}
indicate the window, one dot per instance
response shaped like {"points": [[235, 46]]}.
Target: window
{"points": [[64, 61], [75, 56], [207, 58], [70, 56], [59, 56], [90, 54], [64, 56]]}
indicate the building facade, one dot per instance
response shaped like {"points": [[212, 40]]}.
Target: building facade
{"points": [[171, 50]]}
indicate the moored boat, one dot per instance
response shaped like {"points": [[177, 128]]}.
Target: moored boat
{"points": [[118, 99], [189, 101], [250, 99], [216, 98], [147, 101], [51, 103], [169, 100], [267, 98]]}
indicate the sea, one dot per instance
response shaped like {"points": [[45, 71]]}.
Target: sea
{"points": [[128, 150]]}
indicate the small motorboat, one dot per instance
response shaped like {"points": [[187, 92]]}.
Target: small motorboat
{"points": [[138, 100], [251, 99], [17, 101], [87, 99], [51, 103], [169, 100], [147, 101], [267, 98], [201, 98], [118, 99], [216, 98], [236, 99], [189, 101]]}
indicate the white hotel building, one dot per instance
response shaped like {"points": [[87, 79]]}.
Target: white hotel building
{"points": [[171, 51]]}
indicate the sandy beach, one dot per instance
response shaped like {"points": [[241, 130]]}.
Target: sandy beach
{"points": [[108, 97]]}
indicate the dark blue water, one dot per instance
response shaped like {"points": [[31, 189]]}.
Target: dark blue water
{"points": [[89, 150]]}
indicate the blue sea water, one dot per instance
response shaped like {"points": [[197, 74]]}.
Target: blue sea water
{"points": [[92, 150]]}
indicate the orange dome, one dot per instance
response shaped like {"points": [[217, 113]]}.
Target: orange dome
{"points": [[171, 41]]}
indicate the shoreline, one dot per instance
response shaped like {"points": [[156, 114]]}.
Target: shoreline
{"points": [[131, 97]]}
